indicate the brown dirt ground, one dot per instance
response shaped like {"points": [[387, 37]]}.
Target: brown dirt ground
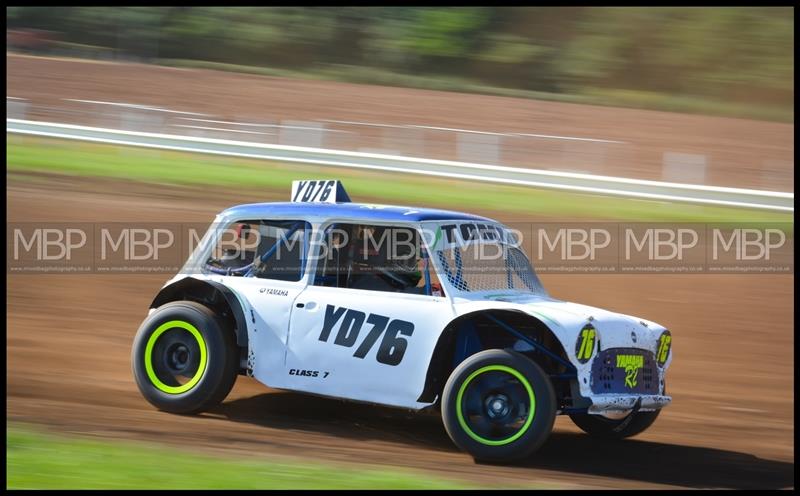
{"points": [[739, 152], [730, 425]]}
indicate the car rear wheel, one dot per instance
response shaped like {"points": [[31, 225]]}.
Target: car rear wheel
{"points": [[498, 405], [599, 426], [184, 359]]}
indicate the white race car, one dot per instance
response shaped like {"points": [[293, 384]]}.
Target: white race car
{"points": [[408, 307]]}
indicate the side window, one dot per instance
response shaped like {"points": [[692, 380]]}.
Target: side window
{"points": [[261, 248], [375, 258]]}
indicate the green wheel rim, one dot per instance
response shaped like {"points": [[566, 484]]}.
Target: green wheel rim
{"points": [[148, 358], [496, 442]]}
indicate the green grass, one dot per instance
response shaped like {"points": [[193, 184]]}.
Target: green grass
{"points": [[43, 461], [26, 154]]}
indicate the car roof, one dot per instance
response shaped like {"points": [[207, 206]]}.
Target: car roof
{"points": [[355, 211]]}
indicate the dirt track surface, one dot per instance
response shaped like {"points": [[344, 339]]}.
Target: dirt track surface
{"points": [[730, 424], [738, 152]]}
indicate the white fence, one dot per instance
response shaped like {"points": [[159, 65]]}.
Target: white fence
{"points": [[585, 183]]}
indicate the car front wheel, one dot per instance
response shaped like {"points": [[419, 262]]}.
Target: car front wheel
{"points": [[498, 405]]}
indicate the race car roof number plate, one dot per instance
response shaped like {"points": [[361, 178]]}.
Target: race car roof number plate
{"points": [[319, 191]]}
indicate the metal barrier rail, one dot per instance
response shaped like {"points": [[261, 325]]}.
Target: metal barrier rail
{"points": [[585, 183]]}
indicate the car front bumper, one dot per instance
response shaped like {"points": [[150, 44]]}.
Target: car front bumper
{"points": [[619, 403]]}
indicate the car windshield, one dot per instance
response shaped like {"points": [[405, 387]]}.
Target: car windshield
{"points": [[484, 257]]}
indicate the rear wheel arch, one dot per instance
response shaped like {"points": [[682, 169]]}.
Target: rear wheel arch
{"points": [[218, 297], [446, 355]]}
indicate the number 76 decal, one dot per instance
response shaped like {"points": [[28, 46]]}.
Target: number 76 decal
{"points": [[393, 345], [585, 345]]}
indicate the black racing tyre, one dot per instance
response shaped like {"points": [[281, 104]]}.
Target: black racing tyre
{"points": [[498, 405], [599, 426], [184, 359]]}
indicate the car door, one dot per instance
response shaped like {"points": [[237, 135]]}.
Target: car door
{"points": [[369, 344], [267, 292]]}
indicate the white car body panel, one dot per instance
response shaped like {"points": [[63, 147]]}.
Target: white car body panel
{"points": [[364, 379], [566, 319]]}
